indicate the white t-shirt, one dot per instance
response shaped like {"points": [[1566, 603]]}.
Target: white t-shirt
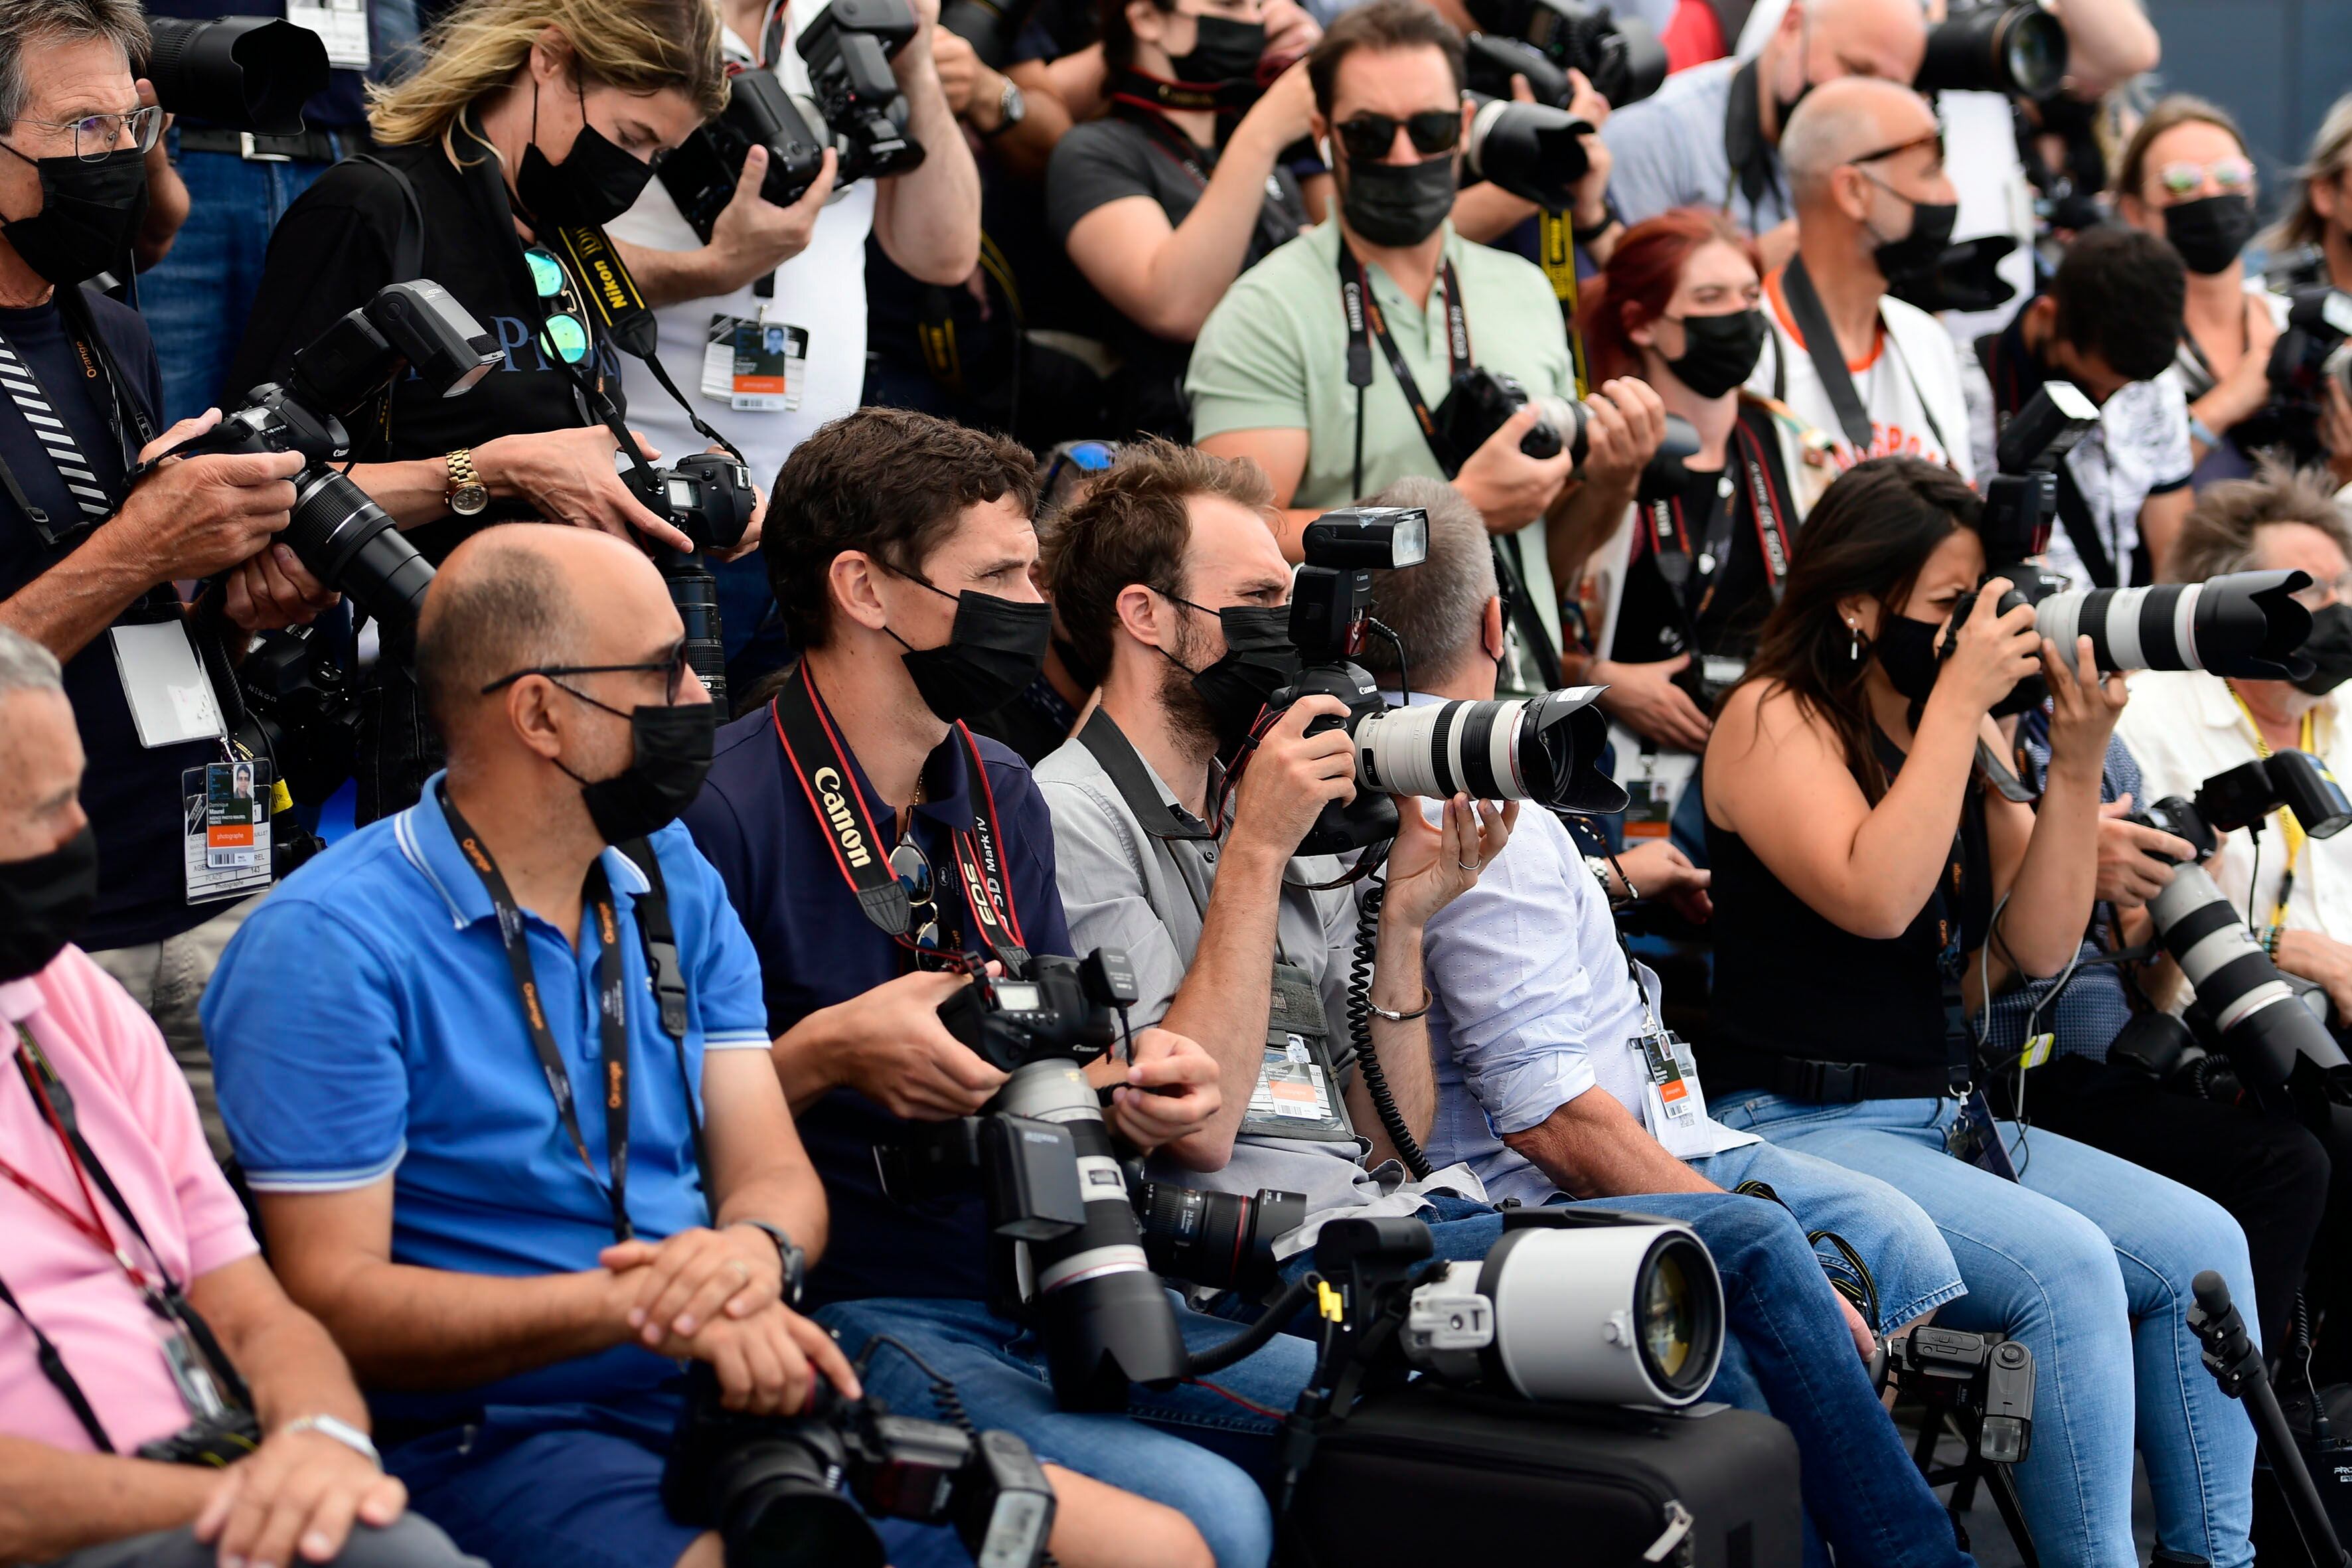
{"points": [[821, 291], [1912, 387], [2140, 448]]}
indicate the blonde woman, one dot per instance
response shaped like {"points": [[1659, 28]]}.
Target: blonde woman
{"points": [[2321, 212], [525, 116]]}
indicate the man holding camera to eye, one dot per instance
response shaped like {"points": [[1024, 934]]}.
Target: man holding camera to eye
{"points": [[878, 853], [1168, 576], [87, 557], [124, 1242], [1339, 363]]}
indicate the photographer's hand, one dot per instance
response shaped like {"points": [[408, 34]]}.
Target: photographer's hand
{"points": [[1993, 654], [2135, 861], [1510, 488], [767, 1362], [1591, 209], [2083, 707], [2321, 958], [888, 1045], [2241, 394], [1645, 700], [272, 589], [691, 1277], [567, 476], [1628, 421], [1430, 867], [1291, 774], [294, 1498], [752, 529], [1660, 870], [1169, 1090], [752, 235]]}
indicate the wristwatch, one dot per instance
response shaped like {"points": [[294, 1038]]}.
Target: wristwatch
{"points": [[467, 495], [342, 1431], [794, 1260], [1010, 107]]}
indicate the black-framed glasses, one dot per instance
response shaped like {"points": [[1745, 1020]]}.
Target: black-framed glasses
{"points": [[1369, 137], [1929, 139], [675, 671], [565, 335], [913, 870]]}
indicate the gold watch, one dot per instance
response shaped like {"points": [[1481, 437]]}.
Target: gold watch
{"points": [[467, 495]]}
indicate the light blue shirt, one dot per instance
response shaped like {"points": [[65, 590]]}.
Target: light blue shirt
{"points": [[1667, 151]]}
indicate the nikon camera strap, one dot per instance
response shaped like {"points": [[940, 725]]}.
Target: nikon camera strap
{"points": [[822, 764]]}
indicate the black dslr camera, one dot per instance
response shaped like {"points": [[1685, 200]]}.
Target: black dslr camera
{"points": [[709, 498], [2310, 352], [848, 49], [1480, 400], [249, 73], [701, 174], [2021, 498], [345, 540], [2013, 47], [770, 1486], [1620, 57], [2243, 796], [1063, 1008]]}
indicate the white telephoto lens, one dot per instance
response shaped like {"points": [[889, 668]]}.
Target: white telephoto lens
{"points": [[1606, 1314]]}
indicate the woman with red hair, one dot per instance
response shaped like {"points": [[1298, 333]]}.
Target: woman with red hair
{"points": [[1708, 540]]}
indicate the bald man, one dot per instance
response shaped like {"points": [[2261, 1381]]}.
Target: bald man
{"points": [[1865, 168], [1711, 136]]}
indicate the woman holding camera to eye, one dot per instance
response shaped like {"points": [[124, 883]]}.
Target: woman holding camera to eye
{"points": [[1854, 834], [524, 116]]}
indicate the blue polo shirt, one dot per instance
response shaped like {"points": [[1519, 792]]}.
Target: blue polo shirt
{"points": [[364, 1023], [817, 948]]}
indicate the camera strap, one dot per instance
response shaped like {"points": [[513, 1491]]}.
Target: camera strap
{"points": [[1812, 324], [612, 1009], [39, 411], [1275, 224], [826, 776]]}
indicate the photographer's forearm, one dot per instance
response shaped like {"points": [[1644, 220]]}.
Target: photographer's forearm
{"points": [[417, 491], [927, 219], [808, 1060], [2050, 900], [53, 1501], [1223, 1000], [407, 1328], [285, 1354], [66, 607], [673, 276]]}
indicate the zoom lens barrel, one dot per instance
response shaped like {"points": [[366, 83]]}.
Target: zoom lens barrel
{"points": [[2243, 624], [1545, 749], [695, 591], [1217, 1239], [348, 544], [251, 73], [2020, 49], [2262, 1023], [1608, 1314]]}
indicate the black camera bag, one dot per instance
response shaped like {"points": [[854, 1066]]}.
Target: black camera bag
{"points": [[1429, 1474]]}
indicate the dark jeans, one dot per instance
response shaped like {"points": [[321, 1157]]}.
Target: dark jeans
{"points": [[398, 747], [414, 1541], [2271, 1173]]}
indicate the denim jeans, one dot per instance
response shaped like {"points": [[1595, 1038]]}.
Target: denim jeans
{"points": [[199, 297], [2087, 1259], [1194, 1448]]}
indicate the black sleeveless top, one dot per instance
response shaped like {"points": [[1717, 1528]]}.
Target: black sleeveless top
{"points": [[1788, 982]]}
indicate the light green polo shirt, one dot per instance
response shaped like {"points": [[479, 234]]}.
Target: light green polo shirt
{"points": [[1273, 356]]}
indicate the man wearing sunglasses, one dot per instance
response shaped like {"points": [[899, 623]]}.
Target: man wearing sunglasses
{"points": [[1324, 364], [1865, 164]]}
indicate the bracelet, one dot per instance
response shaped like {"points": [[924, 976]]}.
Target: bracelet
{"points": [[1420, 1012], [2271, 940], [340, 1430], [2200, 431]]}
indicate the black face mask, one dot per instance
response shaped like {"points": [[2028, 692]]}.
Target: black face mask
{"points": [[2209, 231], [596, 182], [996, 648], [91, 211], [1222, 50], [43, 902], [1398, 203], [1906, 649], [1259, 660], [1914, 254], [2329, 648], [1718, 352], [672, 754]]}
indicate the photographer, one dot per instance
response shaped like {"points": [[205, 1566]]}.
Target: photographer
{"points": [[801, 266], [1866, 163], [1170, 581], [1270, 377], [516, 1277], [2108, 323], [1711, 136], [1850, 835], [2186, 175], [526, 117], [1156, 213], [1679, 306], [2320, 217], [901, 560], [82, 1391], [87, 560]]}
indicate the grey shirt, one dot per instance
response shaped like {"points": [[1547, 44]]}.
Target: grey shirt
{"points": [[1122, 887], [1668, 152]]}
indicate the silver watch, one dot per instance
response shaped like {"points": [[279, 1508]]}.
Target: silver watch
{"points": [[340, 1430]]}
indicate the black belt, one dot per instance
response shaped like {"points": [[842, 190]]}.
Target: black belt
{"points": [[307, 147], [1823, 1082]]}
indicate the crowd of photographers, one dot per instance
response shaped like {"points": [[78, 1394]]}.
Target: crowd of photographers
{"points": [[1065, 731]]}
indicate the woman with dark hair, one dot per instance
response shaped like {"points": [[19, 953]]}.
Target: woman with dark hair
{"points": [[1870, 890]]}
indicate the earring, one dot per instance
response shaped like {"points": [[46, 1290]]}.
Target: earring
{"points": [[1853, 643]]}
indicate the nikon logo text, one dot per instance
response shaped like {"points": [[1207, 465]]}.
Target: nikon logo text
{"points": [[837, 813]]}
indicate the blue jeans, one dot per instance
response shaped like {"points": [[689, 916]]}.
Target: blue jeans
{"points": [[199, 297], [1194, 1447], [1790, 1355], [2087, 1259]]}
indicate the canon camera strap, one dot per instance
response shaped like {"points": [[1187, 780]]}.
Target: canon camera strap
{"points": [[822, 764], [612, 1009]]}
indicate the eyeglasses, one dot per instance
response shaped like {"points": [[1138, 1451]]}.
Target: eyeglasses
{"points": [[97, 135], [675, 671], [2232, 174], [1369, 137], [565, 334], [913, 870], [1932, 139]]}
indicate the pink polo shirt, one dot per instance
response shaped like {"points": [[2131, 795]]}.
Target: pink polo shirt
{"points": [[136, 1113]]}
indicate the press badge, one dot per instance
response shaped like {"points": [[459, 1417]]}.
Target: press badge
{"points": [[343, 24], [170, 695], [1676, 1106], [1297, 1094], [225, 837], [756, 365], [1290, 1085]]}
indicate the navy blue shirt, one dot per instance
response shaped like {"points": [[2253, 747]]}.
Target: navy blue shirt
{"points": [[816, 948], [133, 794]]}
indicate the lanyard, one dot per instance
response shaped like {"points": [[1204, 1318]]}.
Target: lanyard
{"points": [[822, 764], [1364, 312], [154, 1289], [612, 1008], [2290, 831], [1690, 559]]}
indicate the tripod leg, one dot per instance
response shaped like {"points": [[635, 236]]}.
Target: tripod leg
{"points": [[2003, 1486]]}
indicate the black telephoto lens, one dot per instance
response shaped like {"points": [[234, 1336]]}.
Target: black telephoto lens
{"points": [[767, 1484], [250, 73], [2015, 48], [1221, 1240], [695, 591], [347, 542]]}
